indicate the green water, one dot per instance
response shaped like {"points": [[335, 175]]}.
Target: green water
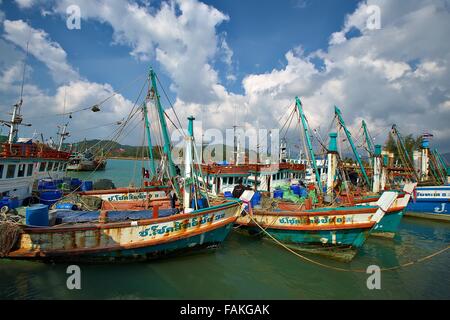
{"points": [[246, 268]]}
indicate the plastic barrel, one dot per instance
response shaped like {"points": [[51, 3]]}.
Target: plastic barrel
{"points": [[13, 203], [75, 182], [295, 189], [50, 197], [256, 199], [200, 203], [228, 194], [87, 186], [47, 185], [66, 206], [303, 192], [37, 215], [278, 194]]}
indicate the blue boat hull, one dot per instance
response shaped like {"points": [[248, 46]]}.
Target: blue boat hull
{"points": [[433, 209]]}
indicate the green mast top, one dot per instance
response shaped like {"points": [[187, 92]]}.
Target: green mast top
{"points": [[308, 142], [369, 143], [349, 138], [165, 133]]}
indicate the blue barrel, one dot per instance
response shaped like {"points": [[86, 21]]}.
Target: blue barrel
{"points": [[303, 192], [278, 194], [66, 206], [47, 185], [37, 215], [13, 203], [75, 182], [200, 203], [228, 194], [87, 186], [295, 189], [50, 197], [256, 199]]}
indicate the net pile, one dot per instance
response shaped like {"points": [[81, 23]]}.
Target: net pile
{"points": [[9, 234]]}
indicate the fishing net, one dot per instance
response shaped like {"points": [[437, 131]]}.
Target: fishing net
{"points": [[9, 234]]}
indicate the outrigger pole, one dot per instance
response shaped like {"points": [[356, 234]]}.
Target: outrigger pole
{"points": [[350, 140], [308, 141], [370, 147], [404, 152]]}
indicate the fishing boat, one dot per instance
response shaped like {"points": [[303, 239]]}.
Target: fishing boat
{"points": [[124, 235], [130, 229], [23, 161], [334, 231], [432, 198], [85, 161]]}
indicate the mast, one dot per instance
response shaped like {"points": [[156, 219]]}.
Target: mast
{"points": [[350, 140], [149, 138], [167, 145], [308, 141], [188, 174], [62, 135], [332, 162], [16, 119]]}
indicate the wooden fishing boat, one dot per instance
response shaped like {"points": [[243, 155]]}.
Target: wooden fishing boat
{"points": [[102, 240], [338, 232], [131, 234]]}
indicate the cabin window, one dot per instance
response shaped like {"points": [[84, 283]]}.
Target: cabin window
{"points": [[64, 166], [55, 167], [225, 180], [42, 166], [30, 170], [273, 176], [50, 166], [1, 170], [21, 171], [10, 171]]}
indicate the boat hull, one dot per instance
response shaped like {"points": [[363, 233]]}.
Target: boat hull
{"points": [[128, 240], [431, 203], [338, 232], [388, 226]]}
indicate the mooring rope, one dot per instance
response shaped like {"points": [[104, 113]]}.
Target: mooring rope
{"points": [[343, 269]]}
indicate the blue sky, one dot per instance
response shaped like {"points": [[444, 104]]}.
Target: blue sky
{"points": [[216, 57]]}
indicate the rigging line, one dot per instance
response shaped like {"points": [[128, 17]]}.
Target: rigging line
{"points": [[285, 113], [90, 107], [24, 69], [288, 119], [289, 126], [170, 103]]}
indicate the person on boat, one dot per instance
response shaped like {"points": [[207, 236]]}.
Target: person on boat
{"points": [[239, 189]]}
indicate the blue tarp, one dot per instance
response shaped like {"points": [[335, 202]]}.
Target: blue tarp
{"points": [[72, 216]]}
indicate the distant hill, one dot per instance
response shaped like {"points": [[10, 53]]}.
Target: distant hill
{"points": [[111, 149]]}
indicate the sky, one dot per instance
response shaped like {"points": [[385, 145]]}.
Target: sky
{"points": [[230, 62]]}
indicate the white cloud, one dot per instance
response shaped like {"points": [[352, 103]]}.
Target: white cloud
{"points": [[25, 4], [398, 74], [40, 107], [181, 35], [41, 47]]}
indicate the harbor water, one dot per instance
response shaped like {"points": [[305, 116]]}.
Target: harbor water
{"points": [[245, 267]]}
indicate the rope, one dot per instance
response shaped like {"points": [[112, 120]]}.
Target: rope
{"points": [[343, 269], [9, 233]]}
